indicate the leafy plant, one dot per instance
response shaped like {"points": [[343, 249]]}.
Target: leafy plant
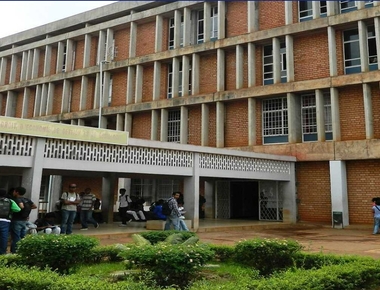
{"points": [[159, 236]]}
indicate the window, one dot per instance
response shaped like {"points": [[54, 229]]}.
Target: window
{"points": [[64, 58], [174, 126], [213, 27], [368, 3], [200, 27], [166, 187], [214, 23], [268, 64], [352, 51], [172, 33], [309, 117], [142, 188], [275, 120], [347, 6], [110, 92], [170, 80], [306, 10]]}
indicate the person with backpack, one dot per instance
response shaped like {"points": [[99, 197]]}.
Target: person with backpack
{"points": [[20, 219], [7, 207], [174, 217], [69, 209]]}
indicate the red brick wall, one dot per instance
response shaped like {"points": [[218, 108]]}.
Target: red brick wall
{"points": [[75, 96], [315, 50], [18, 67], [236, 18], [259, 122], [53, 62], [207, 74], [8, 71], [148, 84], [90, 93], [145, 38], [339, 51], [57, 100], [122, 43], [119, 88], [313, 191], [79, 53], [271, 14], [375, 91], [212, 126], [32, 97], [141, 125], [94, 50], [362, 184], [19, 100], [259, 65], [164, 81], [41, 63], [195, 125], [236, 125], [351, 107], [230, 70]]}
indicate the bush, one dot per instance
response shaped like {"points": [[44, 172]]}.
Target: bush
{"points": [[60, 253], [266, 255], [169, 264], [155, 237], [223, 253]]}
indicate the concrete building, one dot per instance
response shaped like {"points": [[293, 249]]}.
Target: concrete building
{"points": [[277, 77]]}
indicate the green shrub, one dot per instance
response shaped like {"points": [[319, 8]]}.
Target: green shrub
{"points": [[223, 253], [60, 253], [155, 237], [104, 253], [10, 260], [169, 264], [266, 255]]}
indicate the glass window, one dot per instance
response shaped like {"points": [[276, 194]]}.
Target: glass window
{"points": [[347, 6], [372, 51], [214, 23], [200, 27], [268, 64], [275, 120], [174, 126], [351, 51], [305, 10], [170, 80], [64, 58], [110, 92], [172, 33]]}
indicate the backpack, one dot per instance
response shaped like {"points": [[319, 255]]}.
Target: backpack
{"points": [[25, 212], [152, 206], [5, 208], [166, 210]]}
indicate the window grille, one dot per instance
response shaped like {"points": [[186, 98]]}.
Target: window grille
{"points": [[347, 6], [275, 120], [174, 126], [268, 64], [172, 32], [166, 187]]}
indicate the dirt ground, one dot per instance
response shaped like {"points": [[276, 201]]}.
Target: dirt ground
{"points": [[315, 238]]}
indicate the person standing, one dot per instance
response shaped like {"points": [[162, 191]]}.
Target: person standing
{"points": [[20, 219], [87, 206], [7, 207], [174, 217], [124, 201], [69, 209], [376, 216]]}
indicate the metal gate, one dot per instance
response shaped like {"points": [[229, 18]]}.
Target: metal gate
{"points": [[223, 200], [270, 201]]}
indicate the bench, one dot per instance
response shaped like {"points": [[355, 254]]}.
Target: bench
{"points": [[160, 224]]}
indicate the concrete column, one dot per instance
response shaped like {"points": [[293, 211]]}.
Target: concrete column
{"points": [[205, 125], [276, 61], [177, 29], [252, 121], [35, 64], [29, 64], [332, 49], [131, 84], [368, 112], [139, 83], [83, 93], [184, 129], [154, 125], [3, 70], [316, 5], [221, 66], [10, 106], [158, 37], [24, 65], [289, 58], [37, 101], [289, 207], [253, 15], [185, 75], [320, 112], [288, 12], [81, 122], [338, 183], [65, 96], [31, 177], [128, 122], [108, 197], [132, 39], [47, 60], [156, 81], [294, 118], [191, 193], [101, 46], [376, 3], [186, 26], [87, 50], [195, 74], [221, 19], [175, 77], [44, 98], [1, 102], [74, 122], [96, 92], [239, 66], [331, 8], [55, 190], [164, 125], [109, 45], [25, 103], [207, 21], [360, 4], [69, 64], [377, 35], [12, 76], [120, 123], [335, 114], [60, 57], [251, 63], [210, 200], [106, 91], [220, 119], [363, 45]]}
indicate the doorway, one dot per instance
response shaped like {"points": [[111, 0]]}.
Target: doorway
{"points": [[244, 200]]}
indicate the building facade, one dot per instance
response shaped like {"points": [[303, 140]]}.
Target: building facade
{"points": [[298, 78]]}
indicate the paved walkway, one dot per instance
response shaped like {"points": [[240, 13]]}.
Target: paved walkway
{"points": [[352, 240]]}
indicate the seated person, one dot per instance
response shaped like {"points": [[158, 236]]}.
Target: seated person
{"points": [[46, 225], [136, 208], [157, 210]]}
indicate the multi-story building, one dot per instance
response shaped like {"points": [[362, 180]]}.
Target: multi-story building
{"points": [[297, 78]]}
